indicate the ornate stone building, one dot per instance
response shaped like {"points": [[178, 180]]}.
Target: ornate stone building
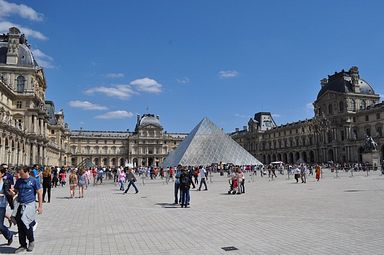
{"points": [[148, 145], [346, 111], [30, 130]]}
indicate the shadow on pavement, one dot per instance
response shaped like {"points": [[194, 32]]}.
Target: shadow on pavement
{"points": [[168, 205], [63, 197], [5, 249]]}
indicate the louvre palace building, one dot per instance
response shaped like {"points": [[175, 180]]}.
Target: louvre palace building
{"points": [[346, 111], [31, 131], [147, 145]]}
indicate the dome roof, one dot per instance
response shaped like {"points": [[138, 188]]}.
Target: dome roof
{"points": [[150, 119], [342, 82], [24, 53]]}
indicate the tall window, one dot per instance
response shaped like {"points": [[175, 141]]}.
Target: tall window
{"points": [[341, 106], [353, 105], [20, 84], [330, 109], [379, 131], [18, 104]]}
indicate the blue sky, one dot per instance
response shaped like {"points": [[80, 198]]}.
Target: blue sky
{"points": [[107, 61]]}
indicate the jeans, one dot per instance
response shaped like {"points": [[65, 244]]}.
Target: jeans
{"points": [[177, 187], [47, 187], [184, 197], [129, 185], [121, 184], [24, 233], [3, 229], [202, 181]]}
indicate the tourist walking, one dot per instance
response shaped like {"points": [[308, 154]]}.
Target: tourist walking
{"points": [[303, 173], [202, 174], [131, 179], [26, 188], [82, 182], [317, 172], [72, 183], [296, 172], [47, 183], [5, 195]]}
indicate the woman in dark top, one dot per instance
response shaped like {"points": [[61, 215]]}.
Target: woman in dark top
{"points": [[47, 182]]}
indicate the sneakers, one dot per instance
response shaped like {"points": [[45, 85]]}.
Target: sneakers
{"points": [[10, 240], [20, 249], [31, 246]]}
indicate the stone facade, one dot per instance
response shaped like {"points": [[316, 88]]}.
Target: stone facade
{"points": [[346, 111], [148, 145], [30, 130]]}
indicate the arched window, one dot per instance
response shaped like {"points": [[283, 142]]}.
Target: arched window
{"points": [[353, 105], [363, 104], [341, 106], [20, 84]]}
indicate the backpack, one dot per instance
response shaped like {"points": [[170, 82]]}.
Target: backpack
{"points": [[184, 180]]}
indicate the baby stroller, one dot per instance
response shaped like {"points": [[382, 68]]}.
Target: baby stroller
{"points": [[233, 185]]}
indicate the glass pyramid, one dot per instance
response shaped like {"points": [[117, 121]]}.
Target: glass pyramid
{"points": [[207, 144]]}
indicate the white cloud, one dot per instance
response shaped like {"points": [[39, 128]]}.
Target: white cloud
{"points": [[123, 91], [309, 106], [115, 115], [228, 74], [43, 59], [114, 75], [184, 80], [85, 105], [5, 25], [8, 9], [147, 85]]}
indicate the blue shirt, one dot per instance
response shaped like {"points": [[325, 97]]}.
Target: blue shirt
{"points": [[3, 200], [36, 174], [27, 189]]}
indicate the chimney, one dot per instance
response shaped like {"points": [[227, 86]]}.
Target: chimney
{"points": [[13, 46], [354, 73], [237, 129], [324, 82], [138, 118], [244, 127]]}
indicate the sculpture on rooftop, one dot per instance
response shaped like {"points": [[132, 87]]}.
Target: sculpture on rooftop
{"points": [[369, 144]]}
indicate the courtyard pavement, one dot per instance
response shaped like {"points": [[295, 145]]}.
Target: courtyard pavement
{"points": [[343, 215]]}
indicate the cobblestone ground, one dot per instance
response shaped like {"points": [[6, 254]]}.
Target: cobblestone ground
{"points": [[341, 215]]}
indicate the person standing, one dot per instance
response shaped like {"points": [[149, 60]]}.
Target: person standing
{"points": [[27, 187], [317, 172], [82, 182], [241, 181], [303, 173], [202, 174], [47, 183], [185, 183], [177, 184], [5, 187], [121, 178], [131, 179]]}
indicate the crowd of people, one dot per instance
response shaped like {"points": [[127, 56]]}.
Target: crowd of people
{"points": [[25, 189]]}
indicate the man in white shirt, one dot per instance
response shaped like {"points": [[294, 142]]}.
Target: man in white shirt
{"points": [[202, 174]]}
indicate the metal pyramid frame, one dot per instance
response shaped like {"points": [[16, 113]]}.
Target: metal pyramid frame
{"points": [[207, 144]]}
